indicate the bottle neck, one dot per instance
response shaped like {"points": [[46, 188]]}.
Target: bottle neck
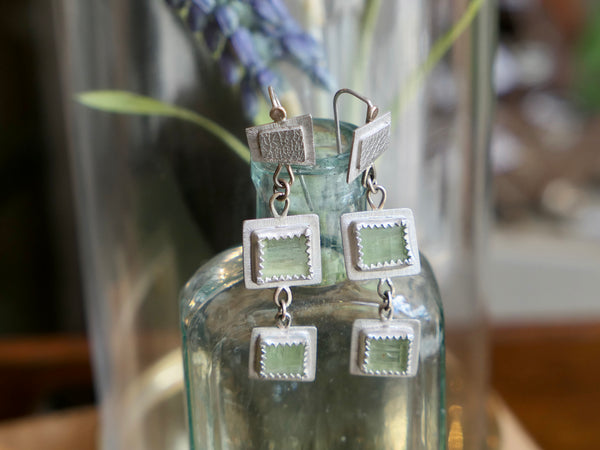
{"points": [[320, 189]]}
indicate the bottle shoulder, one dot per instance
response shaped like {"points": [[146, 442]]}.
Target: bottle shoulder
{"points": [[218, 274], [217, 291]]}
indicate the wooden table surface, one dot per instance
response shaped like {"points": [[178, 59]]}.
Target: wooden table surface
{"points": [[547, 375], [550, 378]]}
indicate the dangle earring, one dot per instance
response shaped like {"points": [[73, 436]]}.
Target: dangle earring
{"points": [[282, 251], [378, 245]]}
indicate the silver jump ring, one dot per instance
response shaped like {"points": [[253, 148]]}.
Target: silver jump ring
{"points": [[287, 189], [277, 295], [371, 186], [283, 320], [386, 313], [286, 205], [370, 194], [382, 290], [369, 179], [279, 181], [283, 310]]}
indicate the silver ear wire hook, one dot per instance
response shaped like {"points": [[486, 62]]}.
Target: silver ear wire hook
{"points": [[277, 113], [372, 112], [283, 141]]}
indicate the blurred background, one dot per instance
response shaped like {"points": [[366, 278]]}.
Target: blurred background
{"points": [[542, 287]]}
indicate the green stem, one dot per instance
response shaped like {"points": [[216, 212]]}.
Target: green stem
{"points": [[123, 102], [217, 130], [439, 49], [367, 32], [368, 21]]}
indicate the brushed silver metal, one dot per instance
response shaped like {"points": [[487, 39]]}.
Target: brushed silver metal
{"points": [[257, 230], [263, 336], [369, 141], [365, 329], [352, 223], [288, 141]]}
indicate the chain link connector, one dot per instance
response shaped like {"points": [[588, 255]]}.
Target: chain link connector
{"points": [[386, 311], [284, 319], [278, 182], [280, 196], [369, 182], [382, 289], [288, 297]]}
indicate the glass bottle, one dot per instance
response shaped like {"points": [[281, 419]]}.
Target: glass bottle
{"points": [[228, 410]]}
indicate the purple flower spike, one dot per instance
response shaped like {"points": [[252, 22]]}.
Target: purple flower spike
{"points": [[303, 48], [266, 11], [265, 78], [249, 39], [288, 23], [281, 9], [205, 5], [243, 46], [227, 19], [213, 36], [196, 18], [229, 68]]}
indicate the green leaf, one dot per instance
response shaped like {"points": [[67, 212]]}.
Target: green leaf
{"points": [[123, 102]]}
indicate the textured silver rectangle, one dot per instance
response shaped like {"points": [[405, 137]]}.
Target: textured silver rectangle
{"points": [[287, 142], [352, 223], [365, 329], [257, 230], [282, 145], [272, 336], [368, 143]]}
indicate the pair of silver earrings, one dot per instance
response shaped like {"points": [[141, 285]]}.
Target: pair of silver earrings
{"points": [[284, 251]]}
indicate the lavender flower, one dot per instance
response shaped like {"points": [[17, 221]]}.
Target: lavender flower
{"points": [[196, 17], [241, 42], [229, 68], [248, 38]]}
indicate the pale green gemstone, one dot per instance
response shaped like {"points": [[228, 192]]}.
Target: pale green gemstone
{"points": [[283, 359], [390, 355], [285, 257], [380, 245]]}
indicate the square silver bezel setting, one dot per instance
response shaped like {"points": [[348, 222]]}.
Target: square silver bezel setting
{"points": [[361, 138], [303, 122], [352, 223], [364, 329], [262, 336], [280, 228]]}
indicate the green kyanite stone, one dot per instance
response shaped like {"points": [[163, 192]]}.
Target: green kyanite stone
{"points": [[285, 257], [389, 355], [380, 245], [282, 359]]}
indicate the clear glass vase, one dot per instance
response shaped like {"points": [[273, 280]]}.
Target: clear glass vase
{"points": [[229, 410]]}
